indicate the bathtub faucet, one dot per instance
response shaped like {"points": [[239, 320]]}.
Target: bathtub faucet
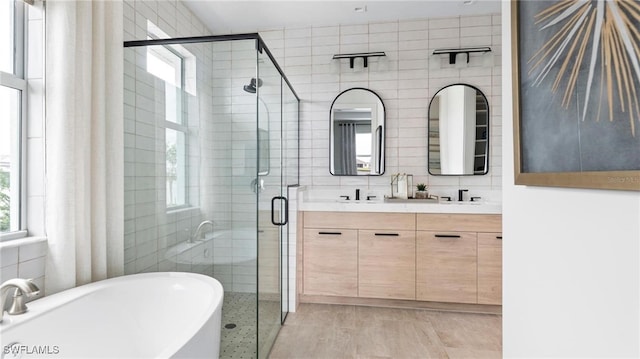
{"points": [[23, 288], [198, 233]]}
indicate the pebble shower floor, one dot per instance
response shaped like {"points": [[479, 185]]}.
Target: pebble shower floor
{"points": [[239, 342]]}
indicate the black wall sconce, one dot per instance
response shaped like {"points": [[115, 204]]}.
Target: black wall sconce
{"points": [[464, 50], [364, 55]]}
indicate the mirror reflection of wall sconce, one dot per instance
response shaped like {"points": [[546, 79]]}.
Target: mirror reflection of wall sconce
{"points": [[364, 55]]}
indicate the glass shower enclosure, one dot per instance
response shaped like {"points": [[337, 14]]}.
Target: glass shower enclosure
{"points": [[211, 151]]}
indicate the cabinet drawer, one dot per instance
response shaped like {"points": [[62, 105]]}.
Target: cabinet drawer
{"points": [[459, 222], [446, 266], [330, 261], [490, 268], [387, 264], [360, 220]]}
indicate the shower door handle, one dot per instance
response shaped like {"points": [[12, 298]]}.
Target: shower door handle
{"points": [[286, 210]]}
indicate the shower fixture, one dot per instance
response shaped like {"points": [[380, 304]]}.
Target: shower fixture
{"points": [[251, 88]]}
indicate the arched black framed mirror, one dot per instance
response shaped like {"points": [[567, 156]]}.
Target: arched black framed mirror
{"points": [[458, 132], [357, 134]]}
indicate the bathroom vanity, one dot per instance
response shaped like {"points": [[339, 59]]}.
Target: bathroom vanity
{"points": [[402, 254], [411, 252]]}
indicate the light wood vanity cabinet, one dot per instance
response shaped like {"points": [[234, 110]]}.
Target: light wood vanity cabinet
{"points": [[490, 268], [331, 262], [446, 267], [447, 257], [386, 264], [453, 258], [374, 256]]}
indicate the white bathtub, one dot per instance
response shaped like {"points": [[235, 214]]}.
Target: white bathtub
{"points": [[203, 252], [152, 315]]}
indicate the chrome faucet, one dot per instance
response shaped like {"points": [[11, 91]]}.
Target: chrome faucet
{"points": [[197, 233], [23, 287]]}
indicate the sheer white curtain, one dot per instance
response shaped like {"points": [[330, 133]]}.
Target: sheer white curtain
{"points": [[84, 142]]}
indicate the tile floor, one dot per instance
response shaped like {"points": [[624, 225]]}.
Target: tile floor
{"points": [[238, 332], [341, 331], [238, 342]]}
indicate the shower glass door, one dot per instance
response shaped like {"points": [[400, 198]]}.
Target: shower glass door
{"points": [[211, 148], [271, 201], [290, 161]]}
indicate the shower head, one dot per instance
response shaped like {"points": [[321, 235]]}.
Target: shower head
{"points": [[251, 88]]}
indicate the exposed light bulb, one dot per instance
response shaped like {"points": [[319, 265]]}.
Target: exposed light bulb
{"points": [[461, 60]]}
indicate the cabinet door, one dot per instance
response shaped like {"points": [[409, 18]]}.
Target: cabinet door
{"points": [[331, 262], [490, 268], [387, 264], [446, 266]]}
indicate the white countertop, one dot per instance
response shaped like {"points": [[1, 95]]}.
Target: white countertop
{"points": [[380, 206]]}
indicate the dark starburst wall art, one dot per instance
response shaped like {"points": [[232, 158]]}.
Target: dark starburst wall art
{"points": [[576, 84]]}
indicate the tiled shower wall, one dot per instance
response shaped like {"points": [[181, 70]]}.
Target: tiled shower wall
{"points": [[149, 229], [221, 155], [406, 79]]}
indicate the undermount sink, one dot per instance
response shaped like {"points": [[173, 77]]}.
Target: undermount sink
{"points": [[351, 201], [461, 203], [410, 200]]}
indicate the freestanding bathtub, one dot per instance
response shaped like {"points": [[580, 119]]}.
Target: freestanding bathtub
{"points": [[152, 315], [201, 252]]}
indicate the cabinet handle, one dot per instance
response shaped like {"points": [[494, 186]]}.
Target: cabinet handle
{"points": [[498, 237], [388, 234], [331, 233], [447, 236]]}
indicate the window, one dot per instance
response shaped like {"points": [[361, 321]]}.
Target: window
{"points": [[176, 67], [363, 147], [12, 119], [167, 65]]}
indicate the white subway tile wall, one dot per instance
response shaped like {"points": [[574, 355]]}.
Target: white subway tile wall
{"points": [[406, 79], [24, 259]]}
